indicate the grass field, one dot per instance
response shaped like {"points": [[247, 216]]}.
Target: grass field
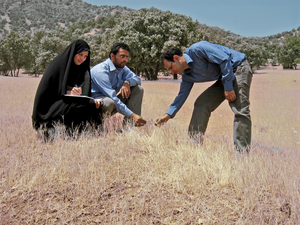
{"points": [[155, 175]]}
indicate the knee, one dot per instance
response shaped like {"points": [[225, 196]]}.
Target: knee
{"points": [[137, 89], [108, 105], [202, 108]]}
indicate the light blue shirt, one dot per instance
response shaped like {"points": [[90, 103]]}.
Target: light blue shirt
{"points": [[107, 80], [207, 62]]}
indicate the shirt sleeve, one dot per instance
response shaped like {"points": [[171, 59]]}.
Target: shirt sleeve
{"points": [[131, 77], [216, 55], [185, 89], [100, 78]]}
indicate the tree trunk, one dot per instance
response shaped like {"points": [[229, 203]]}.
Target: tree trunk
{"points": [[147, 75]]}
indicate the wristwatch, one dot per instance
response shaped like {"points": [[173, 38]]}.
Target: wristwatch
{"points": [[127, 82]]}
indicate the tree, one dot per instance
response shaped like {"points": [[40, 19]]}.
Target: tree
{"points": [[33, 66], [148, 34], [13, 53], [256, 54], [289, 54], [43, 48]]}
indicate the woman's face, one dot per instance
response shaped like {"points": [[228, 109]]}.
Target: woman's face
{"points": [[79, 58]]}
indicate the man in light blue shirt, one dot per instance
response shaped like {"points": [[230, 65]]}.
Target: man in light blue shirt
{"points": [[202, 62], [118, 87]]}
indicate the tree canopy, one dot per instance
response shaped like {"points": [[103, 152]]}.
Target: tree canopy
{"points": [[148, 34]]}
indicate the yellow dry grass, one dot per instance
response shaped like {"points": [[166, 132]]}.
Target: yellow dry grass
{"points": [[155, 175]]}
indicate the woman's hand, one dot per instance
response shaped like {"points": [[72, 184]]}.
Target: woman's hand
{"points": [[76, 91], [98, 103]]}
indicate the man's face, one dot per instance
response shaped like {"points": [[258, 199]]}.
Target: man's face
{"points": [[173, 67], [120, 59]]}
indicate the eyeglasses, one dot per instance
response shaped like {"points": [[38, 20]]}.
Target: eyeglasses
{"points": [[124, 57]]}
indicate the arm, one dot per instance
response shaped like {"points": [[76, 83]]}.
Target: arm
{"points": [[131, 77], [185, 89], [129, 80], [220, 55], [101, 83]]}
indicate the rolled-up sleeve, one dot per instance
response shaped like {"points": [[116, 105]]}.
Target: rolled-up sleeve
{"points": [[131, 77]]}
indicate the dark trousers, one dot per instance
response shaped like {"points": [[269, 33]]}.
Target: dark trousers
{"points": [[213, 96]]}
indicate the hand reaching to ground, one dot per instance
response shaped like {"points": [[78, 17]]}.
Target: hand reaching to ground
{"points": [[162, 120], [138, 120]]}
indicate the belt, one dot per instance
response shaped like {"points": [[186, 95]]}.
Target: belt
{"points": [[234, 69]]}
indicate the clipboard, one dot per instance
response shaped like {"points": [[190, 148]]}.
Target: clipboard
{"points": [[81, 99]]}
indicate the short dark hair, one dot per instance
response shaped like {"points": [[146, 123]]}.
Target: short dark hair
{"points": [[116, 47], [169, 54]]}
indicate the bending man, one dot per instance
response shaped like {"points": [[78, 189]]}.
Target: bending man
{"points": [[202, 62]]}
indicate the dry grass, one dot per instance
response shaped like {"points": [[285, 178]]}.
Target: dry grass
{"points": [[155, 175]]}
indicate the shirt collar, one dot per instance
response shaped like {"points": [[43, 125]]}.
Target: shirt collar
{"points": [[111, 65], [188, 59]]}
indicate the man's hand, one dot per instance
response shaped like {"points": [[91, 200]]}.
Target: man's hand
{"points": [[230, 96], [162, 120], [125, 91], [138, 120]]}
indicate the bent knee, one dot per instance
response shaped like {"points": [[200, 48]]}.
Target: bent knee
{"points": [[108, 105]]}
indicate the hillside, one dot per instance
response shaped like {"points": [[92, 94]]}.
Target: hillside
{"points": [[46, 26], [23, 16], [30, 15]]}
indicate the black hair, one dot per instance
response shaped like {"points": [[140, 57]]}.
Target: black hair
{"points": [[116, 47], [169, 54]]}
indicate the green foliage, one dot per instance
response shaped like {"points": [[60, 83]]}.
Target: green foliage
{"points": [[49, 14], [13, 54], [43, 48], [256, 54], [289, 54], [148, 34]]}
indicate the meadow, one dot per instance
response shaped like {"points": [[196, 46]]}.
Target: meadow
{"points": [[155, 175]]}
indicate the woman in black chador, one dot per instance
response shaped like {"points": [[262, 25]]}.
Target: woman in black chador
{"points": [[68, 73]]}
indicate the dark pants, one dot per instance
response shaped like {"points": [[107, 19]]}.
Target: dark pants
{"points": [[213, 96]]}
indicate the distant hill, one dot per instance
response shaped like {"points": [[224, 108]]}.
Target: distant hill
{"points": [[30, 15], [24, 16]]}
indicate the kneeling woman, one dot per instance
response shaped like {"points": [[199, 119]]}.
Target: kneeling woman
{"points": [[67, 73]]}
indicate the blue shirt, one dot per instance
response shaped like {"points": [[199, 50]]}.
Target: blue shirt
{"points": [[207, 62], [107, 80]]}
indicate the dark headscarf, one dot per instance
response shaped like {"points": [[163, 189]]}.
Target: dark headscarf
{"points": [[60, 73]]}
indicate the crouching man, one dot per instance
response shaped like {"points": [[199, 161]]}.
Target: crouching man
{"points": [[118, 87]]}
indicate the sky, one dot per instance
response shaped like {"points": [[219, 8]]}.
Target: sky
{"points": [[244, 17]]}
